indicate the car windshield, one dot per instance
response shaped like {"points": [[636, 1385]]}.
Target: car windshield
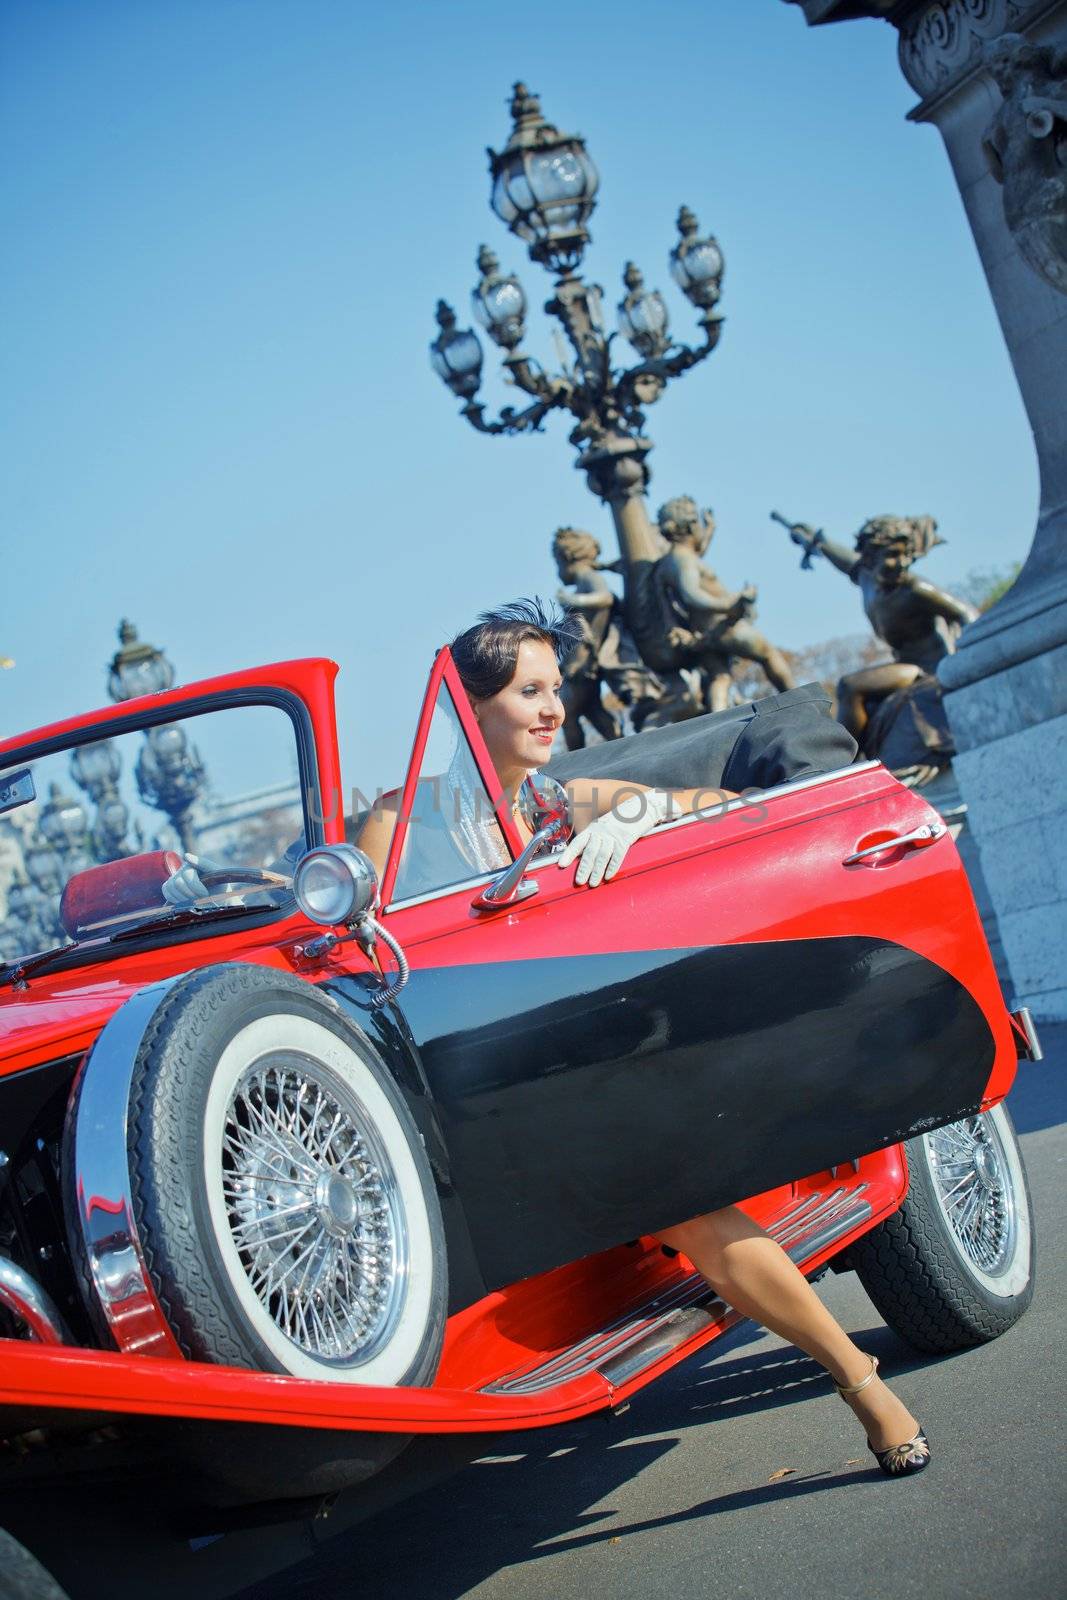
{"points": [[200, 814]]}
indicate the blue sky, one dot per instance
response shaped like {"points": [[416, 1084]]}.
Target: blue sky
{"points": [[228, 222]]}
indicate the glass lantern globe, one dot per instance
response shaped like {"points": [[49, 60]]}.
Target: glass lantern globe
{"points": [[137, 668], [643, 318], [544, 186], [95, 767], [498, 302], [63, 822], [697, 264], [456, 355]]}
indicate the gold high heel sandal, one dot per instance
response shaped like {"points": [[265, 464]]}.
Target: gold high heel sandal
{"points": [[899, 1460]]}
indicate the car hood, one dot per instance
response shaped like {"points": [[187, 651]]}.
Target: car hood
{"points": [[37, 1026], [60, 1014]]}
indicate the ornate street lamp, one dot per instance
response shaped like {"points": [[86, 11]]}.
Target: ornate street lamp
{"points": [[64, 825], [31, 916], [38, 909], [137, 668], [544, 187], [170, 776], [96, 768], [110, 830]]}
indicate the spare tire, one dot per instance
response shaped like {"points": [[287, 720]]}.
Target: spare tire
{"points": [[285, 1211]]}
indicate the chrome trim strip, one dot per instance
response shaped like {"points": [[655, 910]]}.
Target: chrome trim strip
{"points": [[796, 1226], [761, 795], [26, 1300], [438, 894], [637, 1326], [673, 1331], [645, 1333], [814, 1244], [664, 827], [103, 1199]]}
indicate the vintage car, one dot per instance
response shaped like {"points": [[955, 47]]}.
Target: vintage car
{"points": [[297, 1164]]}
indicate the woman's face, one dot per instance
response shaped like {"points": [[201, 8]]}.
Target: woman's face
{"points": [[519, 723]]}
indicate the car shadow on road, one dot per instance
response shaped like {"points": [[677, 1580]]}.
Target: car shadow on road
{"points": [[543, 1493]]}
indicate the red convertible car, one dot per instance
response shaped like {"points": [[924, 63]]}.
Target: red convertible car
{"points": [[296, 1165]]}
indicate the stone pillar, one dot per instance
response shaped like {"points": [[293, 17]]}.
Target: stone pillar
{"points": [[1006, 688]]}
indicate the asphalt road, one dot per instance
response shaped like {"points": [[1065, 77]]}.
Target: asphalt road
{"points": [[685, 1495]]}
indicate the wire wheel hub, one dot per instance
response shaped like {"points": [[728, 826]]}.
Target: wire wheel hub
{"points": [[314, 1208], [975, 1192]]}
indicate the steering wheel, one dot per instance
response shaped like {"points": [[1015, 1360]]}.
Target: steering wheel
{"points": [[197, 880], [222, 880]]}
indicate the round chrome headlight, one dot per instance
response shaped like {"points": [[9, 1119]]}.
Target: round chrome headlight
{"points": [[335, 883]]}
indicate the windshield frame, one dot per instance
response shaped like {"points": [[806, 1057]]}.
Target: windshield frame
{"points": [[444, 674], [181, 710]]}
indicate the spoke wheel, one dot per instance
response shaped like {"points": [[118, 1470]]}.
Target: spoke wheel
{"points": [[286, 1212], [972, 1181], [314, 1208], [954, 1266]]}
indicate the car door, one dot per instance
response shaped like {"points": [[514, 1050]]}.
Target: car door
{"points": [[764, 989]]}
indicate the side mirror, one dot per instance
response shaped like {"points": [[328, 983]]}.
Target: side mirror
{"points": [[544, 803], [545, 806]]}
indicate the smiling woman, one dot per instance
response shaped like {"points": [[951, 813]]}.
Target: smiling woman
{"points": [[509, 666]]}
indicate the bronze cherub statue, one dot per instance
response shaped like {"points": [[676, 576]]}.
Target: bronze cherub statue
{"points": [[704, 624], [918, 621]]}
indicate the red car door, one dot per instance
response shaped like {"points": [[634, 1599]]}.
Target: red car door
{"points": [[758, 994]]}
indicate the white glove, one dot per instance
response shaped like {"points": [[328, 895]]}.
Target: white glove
{"points": [[184, 887], [604, 843]]}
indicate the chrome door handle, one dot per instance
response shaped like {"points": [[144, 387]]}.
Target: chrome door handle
{"points": [[924, 835]]}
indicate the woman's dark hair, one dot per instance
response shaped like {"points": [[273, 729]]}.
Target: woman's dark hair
{"points": [[485, 655]]}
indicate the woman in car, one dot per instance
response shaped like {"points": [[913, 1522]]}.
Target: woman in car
{"points": [[509, 664]]}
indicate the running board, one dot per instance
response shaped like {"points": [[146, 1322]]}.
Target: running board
{"points": [[656, 1327]]}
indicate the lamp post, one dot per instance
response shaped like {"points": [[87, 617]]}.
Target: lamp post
{"points": [[96, 768], [170, 774], [544, 187]]}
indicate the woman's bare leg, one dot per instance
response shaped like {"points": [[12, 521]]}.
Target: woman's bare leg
{"points": [[755, 1276]]}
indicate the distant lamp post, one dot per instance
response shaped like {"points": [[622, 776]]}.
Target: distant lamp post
{"points": [[31, 913], [137, 668], [38, 908], [64, 825], [96, 768], [544, 187], [111, 829], [170, 776]]}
